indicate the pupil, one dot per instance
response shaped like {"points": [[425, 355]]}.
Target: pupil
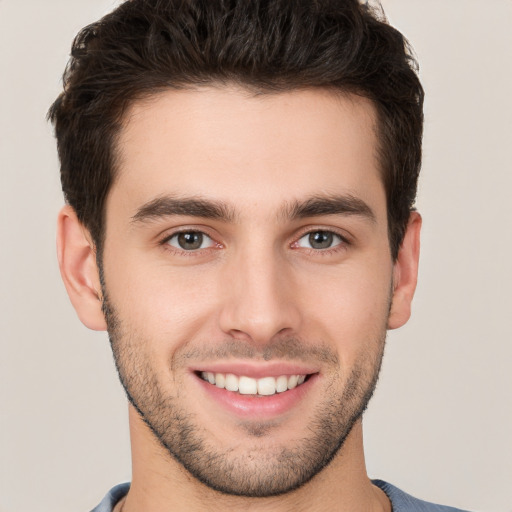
{"points": [[190, 241], [320, 239]]}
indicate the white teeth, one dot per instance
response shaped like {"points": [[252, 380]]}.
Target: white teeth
{"points": [[282, 384], [231, 382], [247, 386], [220, 380], [292, 381], [265, 386]]}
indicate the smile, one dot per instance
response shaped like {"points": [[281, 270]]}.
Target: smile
{"points": [[244, 385]]}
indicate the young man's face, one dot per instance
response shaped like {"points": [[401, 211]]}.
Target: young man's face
{"points": [[247, 244]]}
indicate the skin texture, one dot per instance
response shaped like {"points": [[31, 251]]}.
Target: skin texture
{"points": [[256, 293]]}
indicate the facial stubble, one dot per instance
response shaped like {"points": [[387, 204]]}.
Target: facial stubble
{"points": [[260, 470]]}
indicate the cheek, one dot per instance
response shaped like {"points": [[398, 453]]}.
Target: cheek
{"points": [[165, 304], [350, 309]]}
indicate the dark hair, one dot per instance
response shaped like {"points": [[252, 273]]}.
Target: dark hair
{"points": [[269, 46]]}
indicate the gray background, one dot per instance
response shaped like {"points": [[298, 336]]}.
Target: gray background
{"points": [[440, 423]]}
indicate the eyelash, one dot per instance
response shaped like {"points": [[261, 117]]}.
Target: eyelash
{"points": [[183, 252], [344, 242], [342, 245]]}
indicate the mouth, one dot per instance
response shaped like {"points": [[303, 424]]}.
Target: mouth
{"points": [[244, 385], [256, 391]]}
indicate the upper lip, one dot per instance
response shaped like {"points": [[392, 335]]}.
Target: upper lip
{"points": [[256, 370]]}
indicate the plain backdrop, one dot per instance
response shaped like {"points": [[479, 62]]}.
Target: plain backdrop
{"points": [[440, 423]]}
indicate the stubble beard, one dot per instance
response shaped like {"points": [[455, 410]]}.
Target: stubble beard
{"points": [[262, 470]]}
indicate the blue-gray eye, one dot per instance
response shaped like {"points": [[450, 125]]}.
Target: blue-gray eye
{"points": [[320, 240], [190, 240]]}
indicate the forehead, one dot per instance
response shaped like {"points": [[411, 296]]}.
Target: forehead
{"points": [[229, 144]]}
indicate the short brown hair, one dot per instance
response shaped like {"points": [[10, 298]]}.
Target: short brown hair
{"points": [[145, 46]]}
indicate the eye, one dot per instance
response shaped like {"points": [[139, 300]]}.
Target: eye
{"points": [[319, 240], [190, 241]]}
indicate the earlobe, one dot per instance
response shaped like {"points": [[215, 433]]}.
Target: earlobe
{"points": [[405, 273], [78, 268]]}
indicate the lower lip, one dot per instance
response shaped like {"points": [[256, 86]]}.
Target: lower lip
{"points": [[256, 406]]}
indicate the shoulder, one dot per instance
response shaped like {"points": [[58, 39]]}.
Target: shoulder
{"points": [[113, 496], [403, 502]]}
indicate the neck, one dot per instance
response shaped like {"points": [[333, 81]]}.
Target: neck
{"points": [[160, 483]]}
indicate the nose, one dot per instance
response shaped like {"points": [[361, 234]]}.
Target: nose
{"points": [[260, 298]]}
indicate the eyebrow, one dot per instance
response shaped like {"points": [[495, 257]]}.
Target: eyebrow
{"points": [[168, 206], [316, 206]]}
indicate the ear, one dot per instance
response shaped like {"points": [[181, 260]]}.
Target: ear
{"points": [[77, 262], [405, 273]]}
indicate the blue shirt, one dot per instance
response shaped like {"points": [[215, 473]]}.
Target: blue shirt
{"points": [[400, 501]]}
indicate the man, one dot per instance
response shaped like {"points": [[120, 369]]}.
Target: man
{"points": [[240, 179]]}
